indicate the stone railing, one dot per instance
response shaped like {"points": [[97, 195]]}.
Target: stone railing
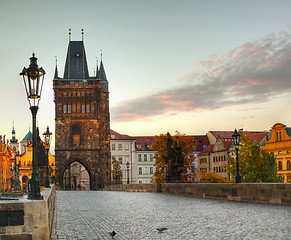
{"points": [[27, 219], [278, 193]]}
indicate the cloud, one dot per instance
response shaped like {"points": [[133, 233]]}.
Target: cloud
{"points": [[252, 73]]}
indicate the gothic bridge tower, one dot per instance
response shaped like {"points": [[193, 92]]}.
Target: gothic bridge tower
{"points": [[82, 121]]}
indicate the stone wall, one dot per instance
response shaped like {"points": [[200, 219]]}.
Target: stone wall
{"points": [[278, 193], [27, 219]]}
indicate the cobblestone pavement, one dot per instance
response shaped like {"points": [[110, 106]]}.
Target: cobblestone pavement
{"points": [[135, 215]]}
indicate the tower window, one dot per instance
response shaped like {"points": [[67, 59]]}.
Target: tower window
{"points": [[76, 134], [88, 109], [69, 108], [65, 108], [83, 108]]}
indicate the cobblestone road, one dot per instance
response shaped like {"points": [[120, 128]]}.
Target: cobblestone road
{"points": [[91, 215]]}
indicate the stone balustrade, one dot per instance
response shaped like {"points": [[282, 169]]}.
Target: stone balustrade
{"points": [[278, 193]]}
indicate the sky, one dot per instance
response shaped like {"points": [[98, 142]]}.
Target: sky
{"points": [[191, 66]]}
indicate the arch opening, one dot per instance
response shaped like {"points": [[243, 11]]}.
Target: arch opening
{"points": [[76, 176]]}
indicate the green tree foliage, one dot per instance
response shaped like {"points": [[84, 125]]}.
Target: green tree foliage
{"points": [[187, 144], [211, 177], [255, 164]]}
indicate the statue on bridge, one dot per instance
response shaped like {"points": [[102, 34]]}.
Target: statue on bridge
{"points": [[174, 161]]}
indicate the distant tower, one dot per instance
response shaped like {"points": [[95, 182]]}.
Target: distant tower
{"points": [[82, 121], [14, 142]]}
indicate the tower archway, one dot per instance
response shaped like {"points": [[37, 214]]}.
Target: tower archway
{"points": [[76, 174]]}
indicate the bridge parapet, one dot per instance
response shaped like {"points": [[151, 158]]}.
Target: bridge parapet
{"points": [[27, 219], [275, 193]]}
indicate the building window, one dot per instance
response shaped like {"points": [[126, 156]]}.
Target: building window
{"points": [[119, 147], [146, 170], [88, 108], [126, 146], [151, 170], [139, 157], [83, 108], [151, 157], [113, 147], [140, 181], [65, 108], [145, 157], [140, 170], [279, 165], [120, 160], [70, 108], [288, 165]]}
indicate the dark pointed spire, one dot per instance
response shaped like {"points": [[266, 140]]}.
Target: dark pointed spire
{"points": [[102, 74], [13, 140], [56, 70], [97, 70]]}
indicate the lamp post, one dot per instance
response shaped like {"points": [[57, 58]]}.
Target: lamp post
{"points": [[127, 166], [33, 77], [235, 138], [47, 140]]}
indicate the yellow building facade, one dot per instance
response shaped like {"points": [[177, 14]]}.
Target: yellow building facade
{"points": [[24, 162], [280, 144], [5, 155]]}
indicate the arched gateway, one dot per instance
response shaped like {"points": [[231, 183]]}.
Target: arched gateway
{"points": [[82, 128]]}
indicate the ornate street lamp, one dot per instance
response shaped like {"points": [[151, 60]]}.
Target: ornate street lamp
{"points": [[236, 138], [47, 140], [33, 77], [127, 166]]}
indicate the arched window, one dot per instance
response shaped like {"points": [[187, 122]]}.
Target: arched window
{"points": [[279, 165], [288, 165]]}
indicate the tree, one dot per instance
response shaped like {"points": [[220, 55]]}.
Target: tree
{"points": [[116, 172], [255, 164], [187, 145], [211, 177]]}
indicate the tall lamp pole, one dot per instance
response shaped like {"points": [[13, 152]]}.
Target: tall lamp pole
{"points": [[47, 140], [236, 138], [127, 166], [33, 77]]}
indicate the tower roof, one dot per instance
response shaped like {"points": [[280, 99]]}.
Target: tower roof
{"points": [[27, 137], [101, 73], [76, 63]]}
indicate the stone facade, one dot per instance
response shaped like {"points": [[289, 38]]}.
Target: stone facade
{"points": [[82, 127]]}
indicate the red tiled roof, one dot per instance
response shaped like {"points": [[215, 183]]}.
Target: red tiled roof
{"points": [[207, 150], [144, 142], [227, 144], [256, 135], [200, 142], [119, 136]]}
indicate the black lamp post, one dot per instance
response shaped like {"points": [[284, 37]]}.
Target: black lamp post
{"points": [[127, 166], [33, 77], [47, 140], [236, 138]]}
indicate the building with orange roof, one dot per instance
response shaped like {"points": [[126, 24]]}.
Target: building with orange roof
{"points": [[279, 143]]}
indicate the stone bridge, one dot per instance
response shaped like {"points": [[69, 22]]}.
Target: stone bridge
{"points": [[137, 215]]}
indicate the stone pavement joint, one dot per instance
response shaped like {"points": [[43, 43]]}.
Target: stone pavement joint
{"points": [[137, 215]]}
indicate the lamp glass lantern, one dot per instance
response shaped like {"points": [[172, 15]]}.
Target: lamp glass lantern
{"points": [[47, 140], [33, 78]]}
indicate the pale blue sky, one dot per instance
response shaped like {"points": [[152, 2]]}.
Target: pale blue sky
{"points": [[153, 49]]}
